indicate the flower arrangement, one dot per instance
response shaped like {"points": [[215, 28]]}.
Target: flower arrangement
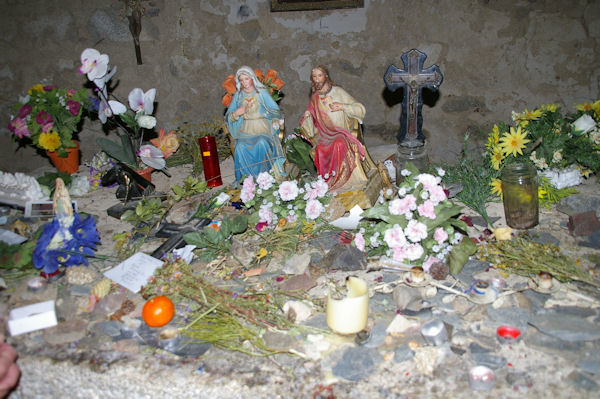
{"points": [[48, 117], [270, 80], [548, 140], [132, 121], [275, 204], [418, 227]]}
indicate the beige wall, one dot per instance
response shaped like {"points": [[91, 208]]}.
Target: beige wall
{"points": [[496, 56]]}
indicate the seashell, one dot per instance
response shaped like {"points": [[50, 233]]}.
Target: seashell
{"points": [[102, 288]]}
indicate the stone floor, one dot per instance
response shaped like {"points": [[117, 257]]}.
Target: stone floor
{"points": [[557, 355]]}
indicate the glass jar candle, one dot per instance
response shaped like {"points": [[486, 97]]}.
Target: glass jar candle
{"points": [[520, 195]]}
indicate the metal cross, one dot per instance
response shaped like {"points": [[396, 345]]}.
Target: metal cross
{"points": [[413, 79]]}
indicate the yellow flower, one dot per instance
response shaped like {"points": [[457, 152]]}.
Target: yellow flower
{"points": [[496, 187], [502, 233], [524, 117], [493, 138], [262, 252], [38, 87], [49, 141], [497, 157], [549, 107], [596, 108], [584, 107], [514, 142], [542, 192]]}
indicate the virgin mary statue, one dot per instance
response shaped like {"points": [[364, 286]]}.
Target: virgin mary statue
{"points": [[254, 120]]}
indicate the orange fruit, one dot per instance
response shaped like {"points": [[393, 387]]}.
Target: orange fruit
{"points": [[158, 311]]}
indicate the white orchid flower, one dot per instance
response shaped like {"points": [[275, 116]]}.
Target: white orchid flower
{"points": [[140, 101], [94, 64], [146, 121], [101, 81], [152, 156], [106, 109]]}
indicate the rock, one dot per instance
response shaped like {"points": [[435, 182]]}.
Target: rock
{"points": [[426, 358], [240, 250], [583, 224], [515, 317], [404, 296], [299, 282], [66, 332], [110, 328], [590, 366], [401, 325], [593, 240], [110, 303], [297, 264], [377, 336], [579, 203], [297, 311], [344, 257], [520, 381], [357, 363], [280, 341], [127, 346], [566, 327], [403, 353], [582, 381], [489, 360], [545, 238], [182, 211]]}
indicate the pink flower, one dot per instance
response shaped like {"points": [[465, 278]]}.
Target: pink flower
{"points": [[415, 231], [437, 194], [314, 208], [50, 88], [248, 189], [414, 251], [321, 186], [288, 190], [265, 214], [428, 181], [43, 118], [440, 235], [311, 194], [261, 226], [19, 128], [24, 111], [265, 180], [399, 254], [426, 209], [74, 107], [394, 237], [403, 205], [359, 241], [47, 127]]}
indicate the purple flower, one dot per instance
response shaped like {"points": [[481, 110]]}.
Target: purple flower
{"points": [[50, 88], [43, 118], [73, 107], [24, 111]]}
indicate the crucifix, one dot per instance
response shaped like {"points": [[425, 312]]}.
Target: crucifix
{"points": [[413, 79]]}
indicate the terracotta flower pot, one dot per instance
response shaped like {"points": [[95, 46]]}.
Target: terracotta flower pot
{"points": [[68, 164], [146, 173]]}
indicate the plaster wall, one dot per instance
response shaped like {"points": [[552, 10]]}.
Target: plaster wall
{"points": [[496, 56]]}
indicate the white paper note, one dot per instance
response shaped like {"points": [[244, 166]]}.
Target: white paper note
{"points": [[134, 272]]}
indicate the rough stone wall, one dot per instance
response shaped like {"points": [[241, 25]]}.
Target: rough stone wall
{"points": [[496, 56]]}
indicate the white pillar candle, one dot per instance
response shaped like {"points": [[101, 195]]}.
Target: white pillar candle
{"points": [[349, 315]]}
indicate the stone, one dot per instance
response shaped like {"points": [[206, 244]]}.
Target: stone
{"points": [[404, 296], [582, 381], [590, 366], [593, 241], [280, 341], [297, 264], [298, 282], [126, 346], [470, 268], [492, 361], [110, 303], [344, 257], [579, 203], [401, 325], [520, 381], [66, 332], [357, 363], [550, 344], [377, 336], [583, 224], [566, 327], [426, 358], [515, 317], [545, 238], [403, 353], [80, 275], [297, 311], [240, 250]]}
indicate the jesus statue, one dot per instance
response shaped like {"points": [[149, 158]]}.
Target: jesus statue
{"points": [[332, 124]]}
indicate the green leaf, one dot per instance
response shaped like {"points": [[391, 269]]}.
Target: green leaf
{"points": [[460, 255], [195, 238], [121, 152], [211, 235], [239, 224]]}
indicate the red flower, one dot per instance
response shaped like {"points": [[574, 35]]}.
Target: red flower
{"points": [[43, 118], [74, 107], [24, 111]]}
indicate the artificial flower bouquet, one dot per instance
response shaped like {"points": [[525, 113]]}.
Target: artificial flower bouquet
{"points": [[48, 117], [269, 79], [548, 140], [418, 227], [133, 121], [273, 204]]}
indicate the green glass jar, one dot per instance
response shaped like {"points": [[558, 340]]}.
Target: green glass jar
{"points": [[520, 195]]}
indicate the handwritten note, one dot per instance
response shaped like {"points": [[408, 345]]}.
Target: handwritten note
{"points": [[134, 272]]}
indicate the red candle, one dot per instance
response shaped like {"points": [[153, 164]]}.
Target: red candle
{"points": [[210, 160]]}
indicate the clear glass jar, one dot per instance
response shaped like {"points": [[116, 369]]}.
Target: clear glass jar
{"points": [[520, 195], [416, 155]]}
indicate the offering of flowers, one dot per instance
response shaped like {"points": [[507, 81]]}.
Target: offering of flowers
{"points": [[269, 79], [291, 201], [548, 140], [417, 228], [132, 121], [48, 117]]}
